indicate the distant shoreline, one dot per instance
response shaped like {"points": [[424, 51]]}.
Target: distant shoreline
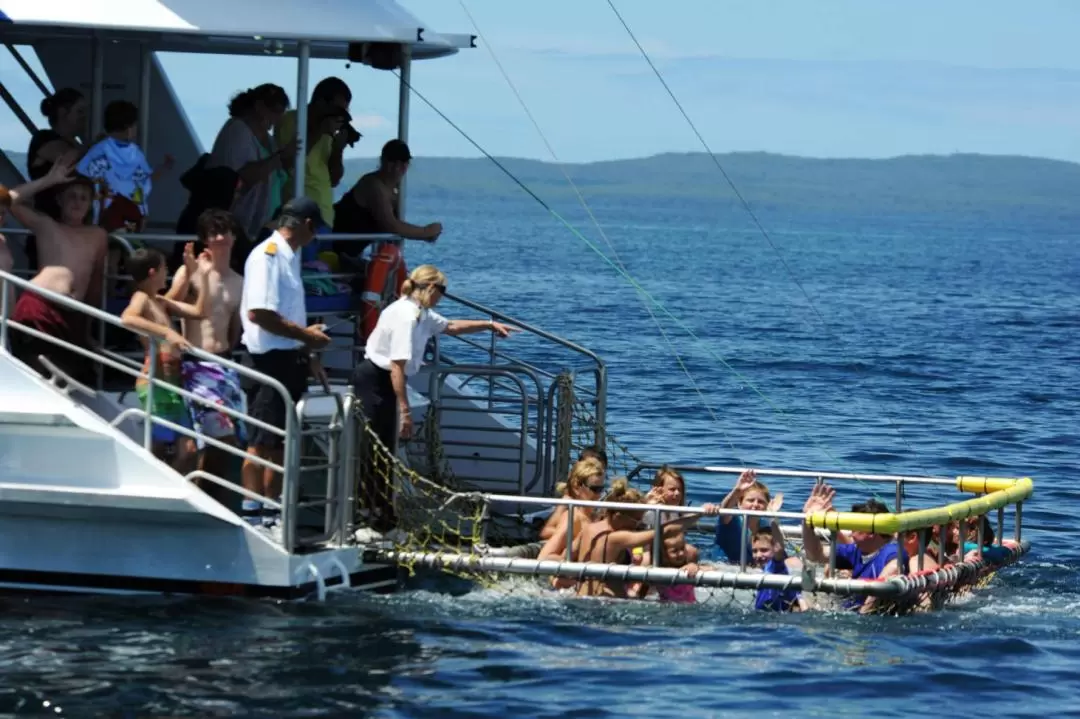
{"points": [[990, 185]]}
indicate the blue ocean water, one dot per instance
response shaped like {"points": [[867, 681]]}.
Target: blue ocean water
{"points": [[938, 345]]}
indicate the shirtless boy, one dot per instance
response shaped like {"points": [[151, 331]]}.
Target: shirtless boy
{"points": [[150, 312], [217, 333], [72, 259]]}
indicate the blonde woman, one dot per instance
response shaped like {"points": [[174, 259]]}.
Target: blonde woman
{"points": [[394, 352], [597, 468], [613, 536], [586, 482]]}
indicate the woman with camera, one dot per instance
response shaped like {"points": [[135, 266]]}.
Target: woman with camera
{"points": [[329, 132]]}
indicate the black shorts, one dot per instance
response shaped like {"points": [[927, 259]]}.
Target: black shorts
{"points": [[290, 367]]}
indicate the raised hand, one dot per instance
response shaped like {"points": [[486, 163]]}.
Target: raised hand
{"points": [[746, 481], [775, 503], [205, 262], [63, 170], [820, 499], [190, 262]]}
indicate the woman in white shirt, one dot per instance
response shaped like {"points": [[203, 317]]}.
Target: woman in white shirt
{"points": [[244, 144], [394, 352]]}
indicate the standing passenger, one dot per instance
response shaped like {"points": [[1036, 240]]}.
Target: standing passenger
{"points": [[244, 144], [371, 206], [217, 333], [394, 353], [273, 315], [72, 259]]}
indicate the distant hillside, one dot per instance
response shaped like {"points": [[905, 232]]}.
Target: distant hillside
{"points": [[936, 184]]}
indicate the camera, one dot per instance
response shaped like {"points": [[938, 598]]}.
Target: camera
{"points": [[352, 135]]}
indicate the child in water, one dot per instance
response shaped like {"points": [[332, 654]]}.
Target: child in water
{"points": [[768, 555], [676, 554]]}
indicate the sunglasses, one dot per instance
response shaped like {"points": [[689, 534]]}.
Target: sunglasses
{"points": [[598, 488], [440, 288]]}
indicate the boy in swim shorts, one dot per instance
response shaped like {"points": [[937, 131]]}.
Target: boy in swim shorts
{"points": [[218, 332]]}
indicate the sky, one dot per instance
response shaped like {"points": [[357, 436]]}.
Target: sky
{"points": [[830, 78]]}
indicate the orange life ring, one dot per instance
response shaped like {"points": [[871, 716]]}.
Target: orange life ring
{"points": [[386, 265]]}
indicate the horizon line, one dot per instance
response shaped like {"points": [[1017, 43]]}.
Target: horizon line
{"points": [[702, 153]]}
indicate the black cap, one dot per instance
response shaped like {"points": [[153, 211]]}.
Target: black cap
{"points": [[396, 151], [303, 208]]}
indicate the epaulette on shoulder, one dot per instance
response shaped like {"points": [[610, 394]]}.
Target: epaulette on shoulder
{"points": [[271, 248]]}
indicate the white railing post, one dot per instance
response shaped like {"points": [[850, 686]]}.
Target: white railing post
{"points": [[290, 464], [570, 532], [404, 91], [303, 61], [658, 537]]}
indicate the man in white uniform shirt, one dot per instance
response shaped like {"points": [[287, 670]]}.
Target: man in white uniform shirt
{"points": [[273, 314]]}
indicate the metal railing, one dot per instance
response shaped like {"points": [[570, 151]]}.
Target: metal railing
{"points": [[1007, 491], [292, 434], [496, 391], [510, 384], [997, 498], [901, 483], [514, 448]]}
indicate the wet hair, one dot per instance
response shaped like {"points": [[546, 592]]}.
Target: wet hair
{"points": [[621, 491], [988, 531], [120, 115], [870, 506], [214, 222], [667, 472], [329, 88], [60, 100], [422, 276], [580, 473], [762, 533], [143, 261], [268, 94], [594, 452]]}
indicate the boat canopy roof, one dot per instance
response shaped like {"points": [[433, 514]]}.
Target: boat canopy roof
{"points": [[231, 27]]}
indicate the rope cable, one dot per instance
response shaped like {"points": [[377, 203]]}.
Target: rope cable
{"points": [[596, 223], [626, 275], [742, 200]]}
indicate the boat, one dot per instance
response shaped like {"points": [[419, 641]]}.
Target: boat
{"points": [[134, 525], [497, 430]]}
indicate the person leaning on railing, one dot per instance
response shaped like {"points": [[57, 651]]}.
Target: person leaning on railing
{"points": [[371, 206], [273, 314], [394, 352]]}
